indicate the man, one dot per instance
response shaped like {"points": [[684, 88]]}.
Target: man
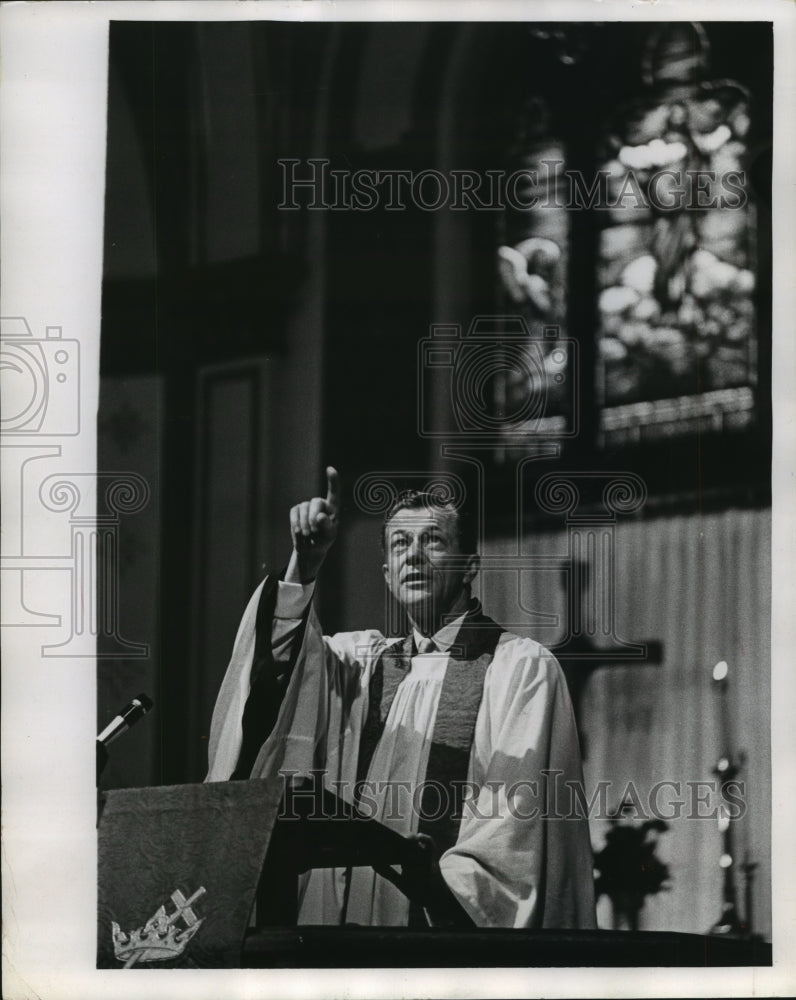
{"points": [[456, 733]]}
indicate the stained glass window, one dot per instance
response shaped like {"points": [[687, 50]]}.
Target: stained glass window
{"points": [[537, 393], [676, 267]]}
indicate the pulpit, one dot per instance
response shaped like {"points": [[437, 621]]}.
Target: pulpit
{"points": [[185, 871], [206, 876]]}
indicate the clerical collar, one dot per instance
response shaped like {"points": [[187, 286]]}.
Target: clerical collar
{"points": [[446, 636]]}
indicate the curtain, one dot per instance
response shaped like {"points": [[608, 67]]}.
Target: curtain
{"points": [[700, 585]]}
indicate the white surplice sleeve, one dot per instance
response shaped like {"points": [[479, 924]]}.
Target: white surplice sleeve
{"points": [[322, 704], [226, 731], [516, 863]]}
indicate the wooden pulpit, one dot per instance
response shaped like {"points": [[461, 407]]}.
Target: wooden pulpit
{"points": [[181, 867], [206, 876]]}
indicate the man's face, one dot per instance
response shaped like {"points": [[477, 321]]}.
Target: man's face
{"points": [[425, 569]]}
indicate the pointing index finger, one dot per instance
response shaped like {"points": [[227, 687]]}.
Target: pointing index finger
{"points": [[332, 487]]}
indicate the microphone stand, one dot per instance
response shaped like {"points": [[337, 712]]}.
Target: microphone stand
{"points": [[119, 725]]}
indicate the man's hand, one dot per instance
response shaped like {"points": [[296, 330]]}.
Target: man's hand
{"points": [[313, 527], [422, 882]]}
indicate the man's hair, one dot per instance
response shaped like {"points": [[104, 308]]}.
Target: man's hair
{"points": [[466, 530]]}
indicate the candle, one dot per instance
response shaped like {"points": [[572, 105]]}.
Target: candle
{"points": [[720, 673]]}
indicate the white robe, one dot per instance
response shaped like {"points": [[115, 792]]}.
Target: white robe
{"points": [[510, 866]]}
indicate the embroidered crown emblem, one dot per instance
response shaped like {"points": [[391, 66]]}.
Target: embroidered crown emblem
{"points": [[161, 937]]}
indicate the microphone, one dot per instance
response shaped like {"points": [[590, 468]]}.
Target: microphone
{"points": [[128, 717]]}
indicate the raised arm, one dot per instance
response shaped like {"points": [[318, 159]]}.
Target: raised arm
{"points": [[277, 639], [313, 528], [287, 685]]}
